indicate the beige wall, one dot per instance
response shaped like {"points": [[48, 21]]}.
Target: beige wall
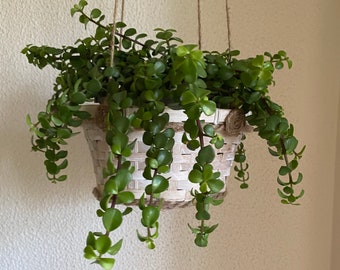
{"points": [[43, 226], [336, 211]]}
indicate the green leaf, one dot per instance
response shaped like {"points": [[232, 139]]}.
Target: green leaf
{"points": [[247, 79], [28, 120], [153, 163], [207, 172], [203, 189], [122, 124], [280, 182], [89, 253], [90, 240], [159, 184], [164, 158], [120, 25], [94, 86], [64, 133], [51, 167], [272, 122], [104, 202], [61, 178], [127, 211], [288, 190], [209, 130], [195, 176], [150, 244], [115, 248], [188, 97], [301, 194], [193, 112], [61, 154], [112, 219], [244, 186], [160, 140], [95, 13], [100, 213], [202, 215], [293, 164], [240, 158], [73, 11], [63, 165], [141, 237], [83, 19], [254, 97], [279, 65], [118, 182], [291, 198], [299, 179], [82, 4], [102, 244], [159, 67], [206, 155], [50, 155], [193, 144], [284, 170], [215, 185], [112, 72], [283, 126], [201, 240], [106, 263], [290, 144], [290, 63], [78, 98], [182, 51], [281, 194], [258, 61], [211, 229], [189, 70], [56, 121], [208, 107], [141, 202], [219, 142], [125, 197], [130, 32], [150, 215], [273, 152]]}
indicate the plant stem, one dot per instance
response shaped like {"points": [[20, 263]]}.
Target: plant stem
{"points": [[200, 132], [116, 33], [284, 153], [114, 197], [202, 227]]}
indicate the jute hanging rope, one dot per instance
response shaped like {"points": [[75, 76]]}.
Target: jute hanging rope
{"points": [[114, 21], [199, 23], [122, 20], [228, 24], [112, 43]]}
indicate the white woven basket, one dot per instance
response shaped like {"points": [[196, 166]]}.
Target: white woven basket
{"points": [[178, 193]]}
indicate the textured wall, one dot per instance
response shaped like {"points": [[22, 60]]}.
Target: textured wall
{"points": [[336, 221], [43, 226]]}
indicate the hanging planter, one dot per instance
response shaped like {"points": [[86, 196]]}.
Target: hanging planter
{"points": [[165, 124], [178, 194]]}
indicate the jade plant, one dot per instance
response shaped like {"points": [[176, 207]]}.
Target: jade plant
{"points": [[119, 68]]}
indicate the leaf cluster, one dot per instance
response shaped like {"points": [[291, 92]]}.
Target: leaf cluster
{"points": [[148, 75]]}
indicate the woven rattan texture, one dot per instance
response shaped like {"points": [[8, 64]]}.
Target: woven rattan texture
{"points": [[178, 193]]}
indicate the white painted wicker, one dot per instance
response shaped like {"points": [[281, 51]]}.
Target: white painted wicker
{"points": [[178, 193]]}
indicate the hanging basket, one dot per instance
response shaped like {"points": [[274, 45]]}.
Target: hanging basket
{"points": [[178, 193]]}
